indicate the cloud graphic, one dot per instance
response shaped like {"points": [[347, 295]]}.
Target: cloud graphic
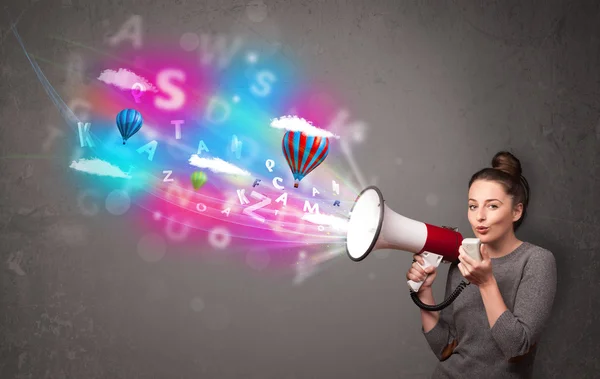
{"points": [[98, 167], [217, 165], [125, 79], [293, 123]]}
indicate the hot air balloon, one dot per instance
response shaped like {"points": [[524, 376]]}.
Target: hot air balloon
{"points": [[303, 153], [198, 179], [129, 121]]}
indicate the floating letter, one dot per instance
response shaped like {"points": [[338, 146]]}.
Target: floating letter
{"points": [[250, 210], [210, 110], [283, 198], [168, 172], [149, 148], [336, 187], [264, 78], [201, 146], [270, 164], [177, 124], [242, 197], [84, 134], [176, 97], [131, 30], [275, 180], [314, 209]]}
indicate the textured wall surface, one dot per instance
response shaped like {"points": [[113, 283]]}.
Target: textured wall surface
{"points": [[442, 85]]}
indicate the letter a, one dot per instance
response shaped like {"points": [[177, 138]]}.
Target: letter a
{"points": [[149, 148], [201, 146], [131, 30]]}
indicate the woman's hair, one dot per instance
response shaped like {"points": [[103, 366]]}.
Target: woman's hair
{"points": [[506, 170]]}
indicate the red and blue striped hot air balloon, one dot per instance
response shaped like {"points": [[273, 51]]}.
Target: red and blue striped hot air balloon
{"points": [[303, 153]]}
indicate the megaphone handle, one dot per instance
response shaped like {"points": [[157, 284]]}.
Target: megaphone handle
{"points": [[429, 259]]}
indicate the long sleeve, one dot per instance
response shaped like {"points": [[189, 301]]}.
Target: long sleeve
{"points": [[517, 331], [443, 333]]}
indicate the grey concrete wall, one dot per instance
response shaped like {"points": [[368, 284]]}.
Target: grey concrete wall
{"points": [[442, 85]]}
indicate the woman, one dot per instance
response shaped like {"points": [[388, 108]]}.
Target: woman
{"points": [[491, 329]]}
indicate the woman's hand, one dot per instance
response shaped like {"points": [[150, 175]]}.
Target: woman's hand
{"points": [[478, 273], [418, 274]]}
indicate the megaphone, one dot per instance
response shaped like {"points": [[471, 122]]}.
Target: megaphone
{"points": [[373, 226]]}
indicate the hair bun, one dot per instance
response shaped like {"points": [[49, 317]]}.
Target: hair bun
{"points": [[505, 161]]}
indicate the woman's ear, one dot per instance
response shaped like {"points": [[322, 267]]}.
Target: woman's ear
{"points": [[517, 212]]}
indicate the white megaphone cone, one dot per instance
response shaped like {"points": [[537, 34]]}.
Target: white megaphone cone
{"points": [[374, 226]]}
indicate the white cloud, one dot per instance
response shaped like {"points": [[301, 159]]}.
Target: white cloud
{"points": [[294, 124], [217, 165], [125, 79], [98, 167]]}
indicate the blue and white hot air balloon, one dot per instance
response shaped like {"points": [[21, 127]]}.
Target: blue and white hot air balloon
{"points": [[304, 153], [129, 121]]}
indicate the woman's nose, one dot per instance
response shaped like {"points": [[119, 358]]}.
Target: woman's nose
{"points": [[480, 216]]}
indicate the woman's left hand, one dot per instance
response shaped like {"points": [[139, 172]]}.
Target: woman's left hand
{"points": [[478, 273]]}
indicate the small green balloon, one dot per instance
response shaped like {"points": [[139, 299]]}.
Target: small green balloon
{"points": [[198, 179]]}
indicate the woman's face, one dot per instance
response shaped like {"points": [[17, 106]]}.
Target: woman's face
{"points": [[491, 212]]}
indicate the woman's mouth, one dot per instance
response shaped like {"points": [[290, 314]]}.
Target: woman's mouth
{"points": [[481, 229]]}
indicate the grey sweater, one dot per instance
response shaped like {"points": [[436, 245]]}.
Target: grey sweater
{"points": [[464, 342]]}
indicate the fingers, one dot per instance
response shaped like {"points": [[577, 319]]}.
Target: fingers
{"points": [[414, 277], [417, 273], [465, 271], [461, 268], [466, 257]]}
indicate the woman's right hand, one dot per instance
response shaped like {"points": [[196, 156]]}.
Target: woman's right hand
{"points": [[418, 274]]}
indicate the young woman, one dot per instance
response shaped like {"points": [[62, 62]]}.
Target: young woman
{"points": [[491, 329]]}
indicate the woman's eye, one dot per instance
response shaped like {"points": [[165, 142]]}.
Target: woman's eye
{"points": [[471, 207], [493, 206]]}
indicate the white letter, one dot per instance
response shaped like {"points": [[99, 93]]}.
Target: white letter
{"points": [[208, 52], [214, 101], [236, 146], [270, 164], [250, 210], [201, 146], [84, 134], [242, 197], [177, 96], [149, 148], [264, 78], [168, 172], [177, 124], [282, 198], [275, 180], [131, 30], [311, 210], [336, 187], [315, 191]]}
